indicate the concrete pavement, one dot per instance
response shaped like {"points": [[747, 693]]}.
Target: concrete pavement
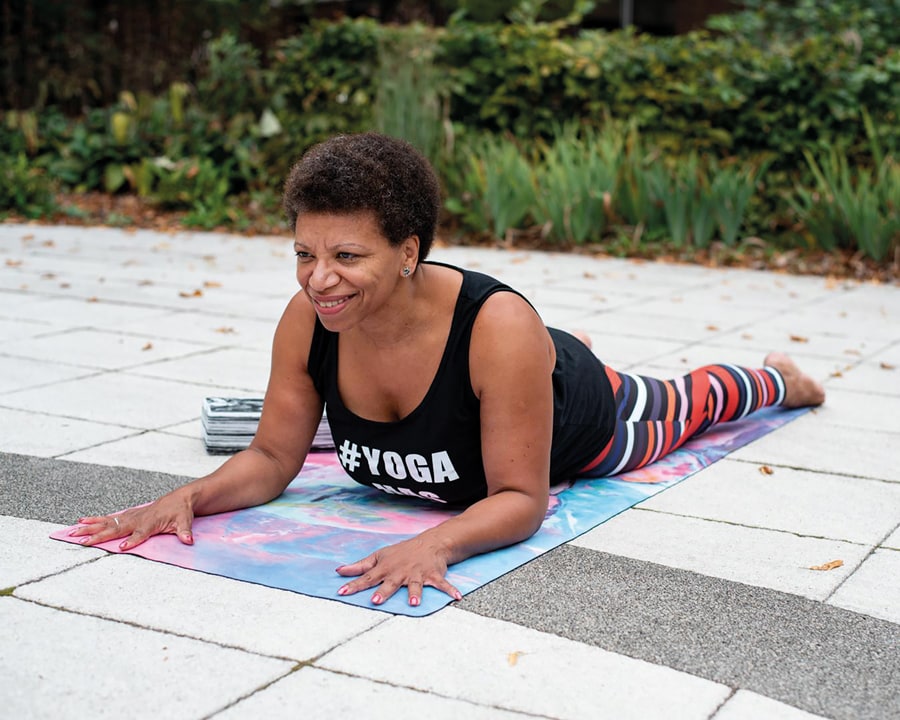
{"points": [[698, 603]]}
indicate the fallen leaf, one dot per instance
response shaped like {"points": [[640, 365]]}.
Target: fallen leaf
{"points": [[93, 298], [712, 328], [799, 339], [196, 293], [828, 566], [837, 373], [852, 352], [48, 276], [766, 470], [746, 336], [28, 237], [148, 346], [144, 283], [513, 657], [886, 366], [588, 275], [48, 243], [13, 263], [225, 330], [211, 284], [65, 286]]}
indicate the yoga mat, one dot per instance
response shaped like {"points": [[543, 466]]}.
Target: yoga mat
{"points": [[324, 520]]}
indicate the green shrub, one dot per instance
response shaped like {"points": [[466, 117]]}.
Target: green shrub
{"points": [[24, 189]]}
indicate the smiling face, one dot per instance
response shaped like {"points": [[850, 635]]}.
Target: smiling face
{"points": [[347, 267]]}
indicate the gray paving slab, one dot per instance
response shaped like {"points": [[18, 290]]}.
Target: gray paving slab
{"points": [[183, 602], [29, 554], [809, 655], [60, 492], [311, 692], [508, 665], [745, 705], [57, 664], [874, 589], [751, 555], [42, 435], [138, 402], [837, 507]]}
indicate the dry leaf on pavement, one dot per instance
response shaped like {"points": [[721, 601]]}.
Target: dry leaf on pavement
{"points": [[828, 566], [766, 470], [799, 339], [196, 293], [513, 657]]}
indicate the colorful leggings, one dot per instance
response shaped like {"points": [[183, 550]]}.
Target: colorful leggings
{"points": [[654, 417]]}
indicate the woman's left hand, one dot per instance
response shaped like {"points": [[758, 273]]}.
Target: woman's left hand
{"points": [[413, 563]]}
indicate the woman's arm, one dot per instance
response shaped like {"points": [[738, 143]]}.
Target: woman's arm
{"points": [[511, 361], [291, 413]]}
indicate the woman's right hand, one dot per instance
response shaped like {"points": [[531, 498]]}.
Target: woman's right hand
{"points": [[171, 514]]}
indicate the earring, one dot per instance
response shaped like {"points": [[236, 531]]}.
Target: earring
{"points": [[406, 271]]}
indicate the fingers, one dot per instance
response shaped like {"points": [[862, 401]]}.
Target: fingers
{"points": [[388, 584], [135, 526]]}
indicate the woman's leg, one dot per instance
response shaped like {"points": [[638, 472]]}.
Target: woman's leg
{"points": [[655, 417]]}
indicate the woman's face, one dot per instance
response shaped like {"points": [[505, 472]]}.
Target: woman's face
{"points": [[347, 267]]}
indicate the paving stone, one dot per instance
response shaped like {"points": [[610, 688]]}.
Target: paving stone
{"points": [[163, 452], [15, 329], [509, 667], [815, 504], [764, 558], [56, 664], [17, 373], [29, 433], [313, 693], [29, 554], [246, 370], [812, 442], [138, 402], [96, 349], [746, 705], [190, 603], [874, 588], [893, 541], [208, 329]]}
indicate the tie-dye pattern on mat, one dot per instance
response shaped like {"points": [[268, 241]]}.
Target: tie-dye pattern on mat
{"points": [[324, 520]]}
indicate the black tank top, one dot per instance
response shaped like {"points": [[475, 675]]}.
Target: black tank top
{"points": [[435, 452]]}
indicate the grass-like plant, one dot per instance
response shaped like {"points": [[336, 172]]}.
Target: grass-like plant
{"points": [[575, 180]]}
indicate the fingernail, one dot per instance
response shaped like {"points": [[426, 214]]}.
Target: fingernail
{"points": [[457, 595], [123, 545], [343, 590], [338, 568], [414, 601], [376, 599]]}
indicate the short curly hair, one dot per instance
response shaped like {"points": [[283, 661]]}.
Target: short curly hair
{"points": [[368, 171]]}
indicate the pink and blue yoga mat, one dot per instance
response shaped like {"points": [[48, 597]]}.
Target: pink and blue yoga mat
{"points": [[324, 520]]}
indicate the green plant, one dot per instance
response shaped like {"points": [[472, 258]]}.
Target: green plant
{"points": [[575, 180], [495, 185], [851, 207], [409, 103], [732, 187], [24, 188]]}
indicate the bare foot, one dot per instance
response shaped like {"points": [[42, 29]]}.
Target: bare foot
{"points": [[800, 389], [584, 337]]}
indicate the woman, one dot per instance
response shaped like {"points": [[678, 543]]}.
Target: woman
{"points": [[440, 383]]}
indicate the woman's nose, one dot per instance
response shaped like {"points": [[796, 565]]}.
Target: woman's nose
{"points": [[322, 277]]}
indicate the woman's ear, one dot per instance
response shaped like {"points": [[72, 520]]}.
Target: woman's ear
{"points": [[410, 252]]}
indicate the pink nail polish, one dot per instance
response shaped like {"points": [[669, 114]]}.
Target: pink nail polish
{"points": [[414, 601], [376, 599], [343, 590]]}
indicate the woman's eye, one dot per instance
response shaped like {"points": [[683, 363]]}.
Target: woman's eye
{"points": [[302, 254], [345, 256]]}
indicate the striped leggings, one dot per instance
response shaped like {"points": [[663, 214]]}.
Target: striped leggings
{"points": [[655, 417]]}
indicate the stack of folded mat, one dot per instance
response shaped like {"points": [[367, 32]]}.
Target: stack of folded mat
{"points": [[229, 425]]}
